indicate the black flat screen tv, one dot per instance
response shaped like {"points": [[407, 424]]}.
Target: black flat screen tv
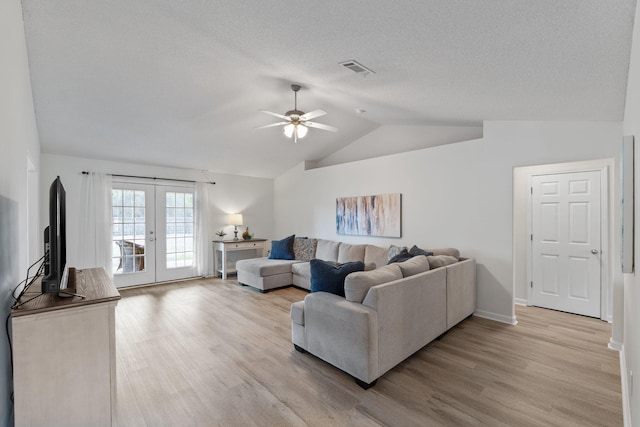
{"points": [[55, 237]]}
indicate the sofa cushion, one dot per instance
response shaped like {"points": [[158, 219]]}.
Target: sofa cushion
{"points": [[302, 269], [350, 253], [414, 265], [394, 250], [437, 261], [402, 256], [356, 285], [263, 267], [329, 276], [377, 255], [369, 266], [282, 249], [304, 249], [446, 251], [327, 250], [415, 251]]}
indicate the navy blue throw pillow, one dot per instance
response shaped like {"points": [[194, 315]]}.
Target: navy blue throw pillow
{"points": [[282, 249], [329, 277]]}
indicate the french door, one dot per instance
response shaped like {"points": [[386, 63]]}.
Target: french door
{"points": [[153, 236]]}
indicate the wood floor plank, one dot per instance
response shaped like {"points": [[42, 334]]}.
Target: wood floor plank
{"points": [[211, 352]]}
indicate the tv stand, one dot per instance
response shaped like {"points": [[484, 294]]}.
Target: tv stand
{"points": [[64, 355]]}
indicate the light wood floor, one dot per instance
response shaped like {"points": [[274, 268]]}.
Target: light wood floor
{"points": [[212, 353]]}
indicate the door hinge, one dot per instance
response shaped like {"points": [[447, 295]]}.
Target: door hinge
{"points": [[532, 284], [531, 190], [532, 237]]}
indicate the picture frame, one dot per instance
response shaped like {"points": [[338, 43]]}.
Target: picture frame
{"points": [[378, 215]]}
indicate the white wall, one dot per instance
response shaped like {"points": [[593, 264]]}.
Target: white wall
{"points": [[456, 195], [18, 142], [628, 301], [405, 138], [253, 197]]}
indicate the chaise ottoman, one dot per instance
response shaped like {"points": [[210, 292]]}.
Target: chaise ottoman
{"points": [[265, 273]]}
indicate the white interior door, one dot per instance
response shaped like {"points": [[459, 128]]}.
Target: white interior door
{"points": [[153, 237], [566, 242]]}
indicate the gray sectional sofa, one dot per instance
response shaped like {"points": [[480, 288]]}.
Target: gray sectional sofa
{"points": [[266, 274], [388, 313], [385, 317]]}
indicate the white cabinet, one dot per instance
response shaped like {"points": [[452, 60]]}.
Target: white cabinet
{"points": [[64, 355]]}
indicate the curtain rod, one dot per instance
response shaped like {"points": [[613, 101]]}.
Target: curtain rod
{"points": [[149, 177]]}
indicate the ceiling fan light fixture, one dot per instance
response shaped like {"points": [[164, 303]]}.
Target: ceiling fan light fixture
{"points": [[289, 129], [301, 130], [297, 123]]}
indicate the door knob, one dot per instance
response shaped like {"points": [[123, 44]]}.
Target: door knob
{"points": [[594, 251]]}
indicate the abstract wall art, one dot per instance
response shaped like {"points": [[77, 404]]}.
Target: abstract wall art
{"points": [[378, 215]]}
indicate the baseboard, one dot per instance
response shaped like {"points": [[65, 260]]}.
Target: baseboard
{"points": [[497, 317], [626, 404], [520, 301], [614, 345]]}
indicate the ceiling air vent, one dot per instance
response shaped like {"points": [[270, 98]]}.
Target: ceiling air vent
{"points": [[357, 67]]}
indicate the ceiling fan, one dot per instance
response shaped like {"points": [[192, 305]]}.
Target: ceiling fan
{"points": [[297, 122]]}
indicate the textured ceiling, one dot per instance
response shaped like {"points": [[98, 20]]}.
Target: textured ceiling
{"points": [[181, 83]]}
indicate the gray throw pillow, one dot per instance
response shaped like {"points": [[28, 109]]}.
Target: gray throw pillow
{"points": [[394, 250], [402, 256], [415, 251], [304, 249]]}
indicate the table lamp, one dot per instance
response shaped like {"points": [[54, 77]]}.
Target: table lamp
{"points": [[235, 219]]}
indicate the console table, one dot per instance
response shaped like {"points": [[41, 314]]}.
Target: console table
{"points": [[254, 248], [64, 355]]}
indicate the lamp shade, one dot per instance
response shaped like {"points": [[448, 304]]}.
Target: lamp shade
{"points": [[235, 219]]}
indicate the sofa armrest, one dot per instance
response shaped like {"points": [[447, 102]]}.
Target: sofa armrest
{"points": [[461, 291], [411, 313], [342, 333]]}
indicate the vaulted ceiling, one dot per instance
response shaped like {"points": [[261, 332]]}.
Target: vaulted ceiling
{"points": [[181, 83]]}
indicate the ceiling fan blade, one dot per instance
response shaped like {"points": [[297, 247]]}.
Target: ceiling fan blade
{"points": [[313, 114], [272, 125], [321, 126], [280, 116]]}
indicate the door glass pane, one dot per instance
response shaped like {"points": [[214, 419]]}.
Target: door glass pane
{"points": [[128, 231], [179, 207]]}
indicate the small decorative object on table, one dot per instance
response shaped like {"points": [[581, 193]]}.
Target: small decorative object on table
{"points": [[221, 233], [246, 235]]}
